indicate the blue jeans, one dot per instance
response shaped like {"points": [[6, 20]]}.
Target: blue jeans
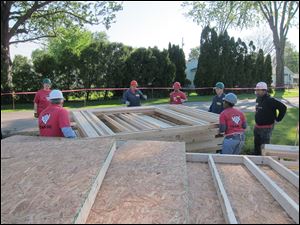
{"points": [[233, 145]]}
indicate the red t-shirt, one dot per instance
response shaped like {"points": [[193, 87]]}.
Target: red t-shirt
{"points": [[52, 119], [233, 119], [41, 100], [175, 97]]}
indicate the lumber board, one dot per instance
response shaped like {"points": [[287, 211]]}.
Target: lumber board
{"points": [[156, 122], [84, 124], [288, 204], [146, 183], [282, 151], [98, 123], [199, 114], [163, 120], [145, 122], [132, 121], [183, 118], [114, 123], [283, 171], [125, 124], [142, 109], [223, 198], [51, 181]]}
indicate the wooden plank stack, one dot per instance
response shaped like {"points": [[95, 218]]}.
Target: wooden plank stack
{"points": [[197, 128], [285, 154]]}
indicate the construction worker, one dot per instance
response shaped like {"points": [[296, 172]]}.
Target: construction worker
{"points": [[133, 96], [40, 99], [177, 96], [265, 116], [217, 102], [54, 121], [232, 123]]}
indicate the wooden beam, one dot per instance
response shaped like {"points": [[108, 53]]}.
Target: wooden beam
{"points": [[156, 122], [140, 120], [183, 118], [223, 198], [114, 123], [199, 114], [142, 109], [131, 120], [125, 124], [288, 204], [84, 125], [282, 151], [283, 171], [99, 123], [84, 212]]}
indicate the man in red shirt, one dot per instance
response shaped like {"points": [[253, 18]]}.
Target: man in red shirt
{"points": [[54, 121], [233, 124], [177, 96], [40, 100]]}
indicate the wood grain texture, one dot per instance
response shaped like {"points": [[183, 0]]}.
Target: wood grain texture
{"points": [[146, 183], [49, 181], [290, 189], [204, 206], [251, 202]]}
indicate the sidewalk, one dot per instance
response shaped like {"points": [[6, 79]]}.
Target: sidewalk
{"points": [[23, 122]]}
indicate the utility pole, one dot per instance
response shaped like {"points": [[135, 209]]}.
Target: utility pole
{"points": [[182, 43]]}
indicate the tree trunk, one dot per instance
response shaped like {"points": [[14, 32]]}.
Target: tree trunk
{"points": [[6, 64], [279, 68]]}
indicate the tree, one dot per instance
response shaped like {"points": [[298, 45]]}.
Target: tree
{"points": [[194, 53], [259, 67], [279, 15], [177, 56], [291, 57], [23, 21], [268, 70], [24, 77]]}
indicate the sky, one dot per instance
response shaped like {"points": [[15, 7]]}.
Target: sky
{"points": [[149, 24]]}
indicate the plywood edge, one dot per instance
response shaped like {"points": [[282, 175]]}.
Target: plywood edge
{"points": [[83, 213]]}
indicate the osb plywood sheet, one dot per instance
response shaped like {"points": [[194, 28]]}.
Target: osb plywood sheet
{"points": [[283, 183], [145, 183], [251, 202], [204, 205], [48, 181]]}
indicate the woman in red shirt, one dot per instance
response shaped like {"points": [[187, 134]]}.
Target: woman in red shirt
{"points": [[40, 100], [177, 96]]}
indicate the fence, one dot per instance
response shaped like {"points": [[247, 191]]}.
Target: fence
{"points": [[150, 91]]}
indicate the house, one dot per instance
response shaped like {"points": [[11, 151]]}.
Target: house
{"points": [[290, 79], [190, 71]]}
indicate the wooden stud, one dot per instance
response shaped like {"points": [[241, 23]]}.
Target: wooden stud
{"points": [[99, 123], [223, 198], [84, 212], [289, 205], [84, 125], [283, 171]]}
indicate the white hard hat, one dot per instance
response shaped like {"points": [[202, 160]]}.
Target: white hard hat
{"points": [[55, 94], [261, 86]]}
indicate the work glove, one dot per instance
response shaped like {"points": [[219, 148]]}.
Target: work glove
{"points": [[127, 103], [145, 97], [36, 115]]}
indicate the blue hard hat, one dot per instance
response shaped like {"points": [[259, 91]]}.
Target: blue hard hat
{"points": [[231, 98]]}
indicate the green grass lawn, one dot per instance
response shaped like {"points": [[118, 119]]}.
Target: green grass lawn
{"points": [[284, 132], [193, 97]]}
